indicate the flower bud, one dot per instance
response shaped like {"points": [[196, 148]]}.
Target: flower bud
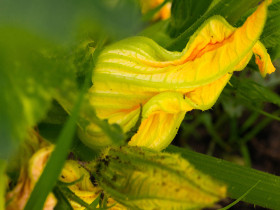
{"points": [[145, 179]]}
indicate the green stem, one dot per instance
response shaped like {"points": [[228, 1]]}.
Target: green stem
{"points": [[250, 121], [261, 125], [246, 154], [3, 185]]}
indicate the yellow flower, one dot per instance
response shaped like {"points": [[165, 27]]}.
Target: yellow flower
{"points": [[84, 189], [164, 12], [144, 179], [138, 72], [18, 197]]}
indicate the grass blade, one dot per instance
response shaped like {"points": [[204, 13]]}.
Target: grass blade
{"points": [[54, 165], [3, 164]]}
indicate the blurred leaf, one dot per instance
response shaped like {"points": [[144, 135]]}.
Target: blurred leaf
{"points": [[63, 20], [87, 114], [56, 114], [151, 13], [184, 13], [158, 32], [29, 75]]}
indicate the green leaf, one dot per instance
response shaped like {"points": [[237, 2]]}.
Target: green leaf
{"points": [[238, 178], [95, 203], [32, 67], [28, 78], [62, 21], [231, 10], [271, 32], [62, 201], [184, 13], [151, 13], [240, 198], [252, 92], [72, 196], [158, 32]]}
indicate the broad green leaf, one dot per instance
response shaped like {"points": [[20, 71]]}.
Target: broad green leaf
{"points": [[238, 178], [29, 75], [240, 198], [62, 21], [231, 10], [271, 33], [32, 67], [184, 13]]}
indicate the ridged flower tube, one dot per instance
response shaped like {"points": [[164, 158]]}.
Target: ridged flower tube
{"points": [[137, 72], [145, 179]]}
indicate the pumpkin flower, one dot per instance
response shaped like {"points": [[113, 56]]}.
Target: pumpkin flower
{"points": [[137, 76], [18, 197], [144, 179], [164, 12]]}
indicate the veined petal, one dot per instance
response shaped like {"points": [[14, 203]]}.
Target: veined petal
{"points": [[158, 130], [162, 116], [206, 96], [139, 64], [138, 72], [263, 59]]}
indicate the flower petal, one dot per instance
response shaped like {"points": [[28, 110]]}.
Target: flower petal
{"points": [[263, 59], [162, 116], [139, 64], [137, 71]]}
